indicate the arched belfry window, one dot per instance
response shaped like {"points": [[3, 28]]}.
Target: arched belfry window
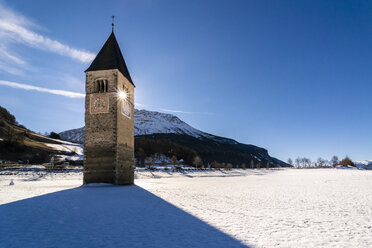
{"points": [[101, 86]]}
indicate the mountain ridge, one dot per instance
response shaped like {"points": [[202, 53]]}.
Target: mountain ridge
{"points": [[156, 126], [152, 122]]}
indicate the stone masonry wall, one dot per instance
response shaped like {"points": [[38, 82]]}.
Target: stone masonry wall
{"points": [[109, 137], [125, 138]]}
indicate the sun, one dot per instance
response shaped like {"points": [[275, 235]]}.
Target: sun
{"points": [[122, 95]]}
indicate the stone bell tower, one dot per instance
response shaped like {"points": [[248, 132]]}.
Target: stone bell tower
{"points": [[109, 118]]}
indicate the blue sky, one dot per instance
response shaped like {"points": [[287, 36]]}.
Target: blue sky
{"points": [[293, 77]]}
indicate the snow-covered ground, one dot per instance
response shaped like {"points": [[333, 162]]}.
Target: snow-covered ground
{"points": [[258, 208]]}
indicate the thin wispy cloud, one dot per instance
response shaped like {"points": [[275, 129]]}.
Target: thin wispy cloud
{"points": [[10, 69], [28, 37], [15, 28], [136, 104], [70, 81], [6, 55], [65, 93], [183, 112], [175, 111]]}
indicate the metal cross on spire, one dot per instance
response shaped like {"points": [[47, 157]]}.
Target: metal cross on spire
{"points": [[112, 24]]}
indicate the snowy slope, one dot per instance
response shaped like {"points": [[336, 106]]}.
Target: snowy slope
{"points": [[74, 135], [151, 122], [69, 147]]}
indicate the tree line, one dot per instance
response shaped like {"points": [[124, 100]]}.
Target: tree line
{"points": [[303, 162], [148, 149]]}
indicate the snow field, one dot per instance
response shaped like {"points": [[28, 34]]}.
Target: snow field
{"points": [[286, 208], [260, 208]]}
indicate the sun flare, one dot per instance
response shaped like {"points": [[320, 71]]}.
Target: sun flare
{"points": [[122, 95]]}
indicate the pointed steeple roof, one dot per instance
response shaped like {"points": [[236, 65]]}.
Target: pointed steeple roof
{"points": [[110, 57]]}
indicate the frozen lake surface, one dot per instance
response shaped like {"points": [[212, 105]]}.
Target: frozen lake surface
{"points": [[255, 208]]}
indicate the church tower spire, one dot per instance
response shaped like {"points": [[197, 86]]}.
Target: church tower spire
{"points": [[109, 118], [110, 57]]}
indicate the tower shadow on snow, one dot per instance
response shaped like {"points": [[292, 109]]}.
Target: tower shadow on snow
{"points": [[104, 216]]}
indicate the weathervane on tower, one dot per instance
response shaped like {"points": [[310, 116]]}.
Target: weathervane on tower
{"points": [[112, 24]]}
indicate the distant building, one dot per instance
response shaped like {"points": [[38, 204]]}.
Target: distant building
{"points": [[109, 118]]}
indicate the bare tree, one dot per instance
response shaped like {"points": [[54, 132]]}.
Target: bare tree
{"points": [[334, 160], [252, 164], [259, 165], [149, 161], [320, 162], [298, 162], [174, 160], [267, 165], [289, 161], [140, 156], [303, 162], [197, 162]]}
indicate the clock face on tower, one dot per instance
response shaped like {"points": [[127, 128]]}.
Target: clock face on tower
{"points": [[126, 108], [99, 103]]}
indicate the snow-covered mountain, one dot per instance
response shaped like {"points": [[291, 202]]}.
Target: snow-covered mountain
{"points": [[365, 164], [150, 125], [151, 122]]}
